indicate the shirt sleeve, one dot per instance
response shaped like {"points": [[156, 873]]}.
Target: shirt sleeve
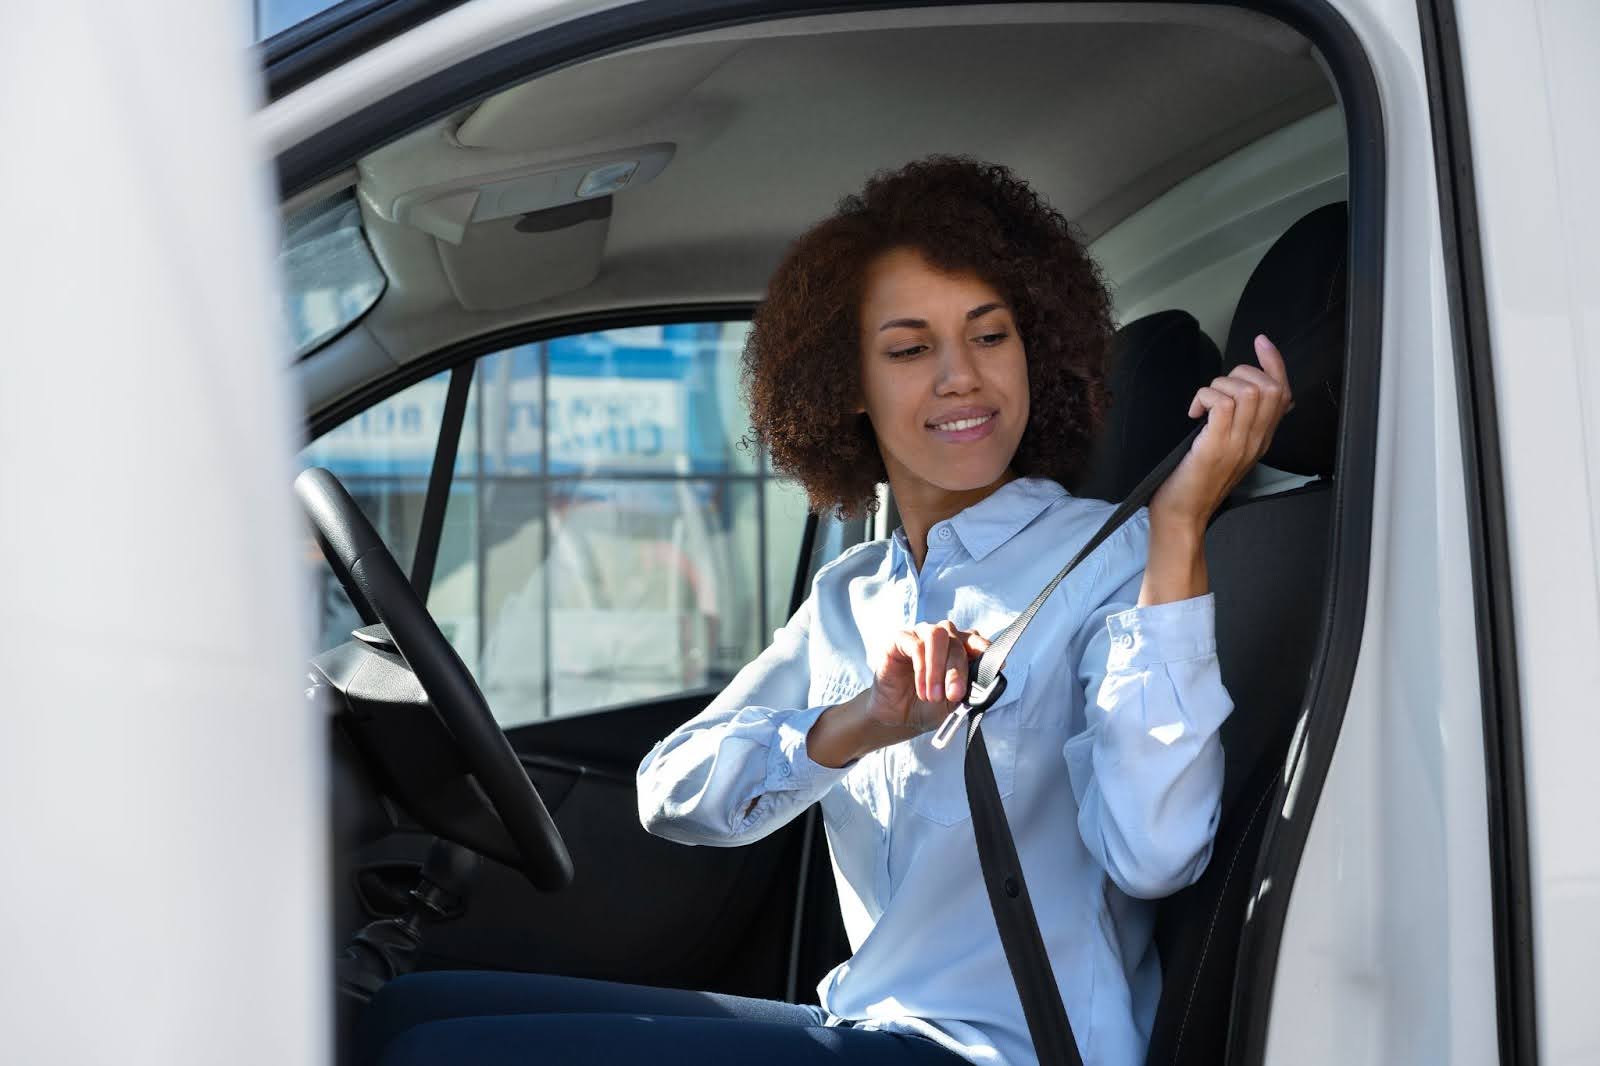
{"points": [[1147, 765], [739, 769]]}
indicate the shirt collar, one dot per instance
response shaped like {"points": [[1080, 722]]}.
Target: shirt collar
{"points": [[993, 520]]}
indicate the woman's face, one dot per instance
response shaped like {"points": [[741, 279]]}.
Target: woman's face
{"points": [[944, 376]]}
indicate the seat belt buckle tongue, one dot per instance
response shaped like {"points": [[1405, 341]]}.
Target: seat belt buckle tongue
{"points": [[979, 698]]}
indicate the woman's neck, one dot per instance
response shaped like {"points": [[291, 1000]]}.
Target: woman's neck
{"points": [[922, 505]]}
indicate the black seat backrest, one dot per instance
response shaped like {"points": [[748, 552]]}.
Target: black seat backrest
{"points": [[1267, 557]]}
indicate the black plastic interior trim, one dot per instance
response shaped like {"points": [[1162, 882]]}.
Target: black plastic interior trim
{"points": [[309, 49], [1511, 876], [353, 403], [802, 570], [804, 566], [431, 528], [797, 928], [1346, 597]]}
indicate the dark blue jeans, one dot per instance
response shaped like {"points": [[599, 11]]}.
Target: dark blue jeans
{"points": [[509, 1019]]}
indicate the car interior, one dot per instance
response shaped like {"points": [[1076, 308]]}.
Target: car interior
{"points": [[558, 243]]}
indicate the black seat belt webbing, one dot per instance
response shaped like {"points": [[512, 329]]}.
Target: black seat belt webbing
{"points": [[1014, 917], [431, 527]]}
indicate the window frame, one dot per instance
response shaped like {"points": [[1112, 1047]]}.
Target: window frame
{"points": [[1345, 604], [461, 360]]}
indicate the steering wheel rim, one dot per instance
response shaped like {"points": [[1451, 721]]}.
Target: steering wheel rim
{"points": [[369, 573]]}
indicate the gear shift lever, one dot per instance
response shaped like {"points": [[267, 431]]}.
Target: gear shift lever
{"points": [[387, 948]]}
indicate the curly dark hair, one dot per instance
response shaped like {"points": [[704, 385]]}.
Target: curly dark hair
{"points": [[802, 368]]}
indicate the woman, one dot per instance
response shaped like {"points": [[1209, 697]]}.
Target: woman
{"points": [[945, 332]]}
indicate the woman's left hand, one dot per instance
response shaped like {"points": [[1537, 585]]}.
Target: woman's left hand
{"points": [[1242, 410]]}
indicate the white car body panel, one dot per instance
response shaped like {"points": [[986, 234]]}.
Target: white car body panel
{"points": [[161, 779], [1387, 955], [1534, 93]]}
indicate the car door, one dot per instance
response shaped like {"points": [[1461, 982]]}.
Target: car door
{"points": [[604, 553]]}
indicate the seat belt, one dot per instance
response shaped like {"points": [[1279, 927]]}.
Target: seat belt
{"points": [[1046, 1016]]}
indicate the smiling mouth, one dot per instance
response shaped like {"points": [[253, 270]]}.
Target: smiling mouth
{"points": [[956, 425]]}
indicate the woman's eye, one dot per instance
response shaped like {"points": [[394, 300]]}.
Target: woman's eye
{"points": [[992, 338], [903, 352]]}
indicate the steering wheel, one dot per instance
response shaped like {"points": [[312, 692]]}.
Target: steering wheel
{"points": [[370, 575]]}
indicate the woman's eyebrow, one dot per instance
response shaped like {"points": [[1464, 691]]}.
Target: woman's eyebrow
{"points": [[922, 323]]}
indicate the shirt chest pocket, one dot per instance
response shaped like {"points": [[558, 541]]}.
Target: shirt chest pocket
{"points": [[932, 782]]}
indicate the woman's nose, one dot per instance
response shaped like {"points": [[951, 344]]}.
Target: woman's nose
{"points": [[958, 370]]}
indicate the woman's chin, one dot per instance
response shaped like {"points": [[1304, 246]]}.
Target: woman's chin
{"points": [[961, 479]]}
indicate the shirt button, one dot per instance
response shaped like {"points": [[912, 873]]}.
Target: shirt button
{"points": [[1125, 641], [784, 769], [944, 533]]}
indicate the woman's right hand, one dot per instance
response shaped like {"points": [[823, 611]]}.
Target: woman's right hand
{"points": [[923, 676]]}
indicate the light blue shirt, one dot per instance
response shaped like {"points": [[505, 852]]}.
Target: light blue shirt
{"points": [[1104, 746]]}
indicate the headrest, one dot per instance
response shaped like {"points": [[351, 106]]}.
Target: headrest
{"points": [[1157, 364], [1296, 296]]}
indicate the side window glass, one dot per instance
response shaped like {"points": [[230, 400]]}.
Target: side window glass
{"points": [[383, 457], [607, 538]]}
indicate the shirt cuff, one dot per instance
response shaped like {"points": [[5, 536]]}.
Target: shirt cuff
{"points": [[1162, 633], [790, 767]]}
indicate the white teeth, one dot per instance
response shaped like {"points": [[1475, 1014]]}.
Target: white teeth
{"points": [[962, 423]]}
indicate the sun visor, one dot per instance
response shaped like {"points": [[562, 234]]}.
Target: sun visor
{"points": [[591, 100]]}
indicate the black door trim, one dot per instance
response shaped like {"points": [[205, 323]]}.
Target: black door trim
{"points": [[1511, 878], [1345, 601]]}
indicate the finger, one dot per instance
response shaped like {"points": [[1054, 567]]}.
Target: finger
{"points": [[905, 651], [957, 648], [935, 647], [928, 668], [955, 674], [1270, 387], [1275, 403], [1217, 406], [1275, 397], [976, 644], [1272, 360], [919, 662], [1246, 403]]}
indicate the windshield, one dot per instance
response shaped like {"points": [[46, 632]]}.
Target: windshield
{"points": [[274, 16]]}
